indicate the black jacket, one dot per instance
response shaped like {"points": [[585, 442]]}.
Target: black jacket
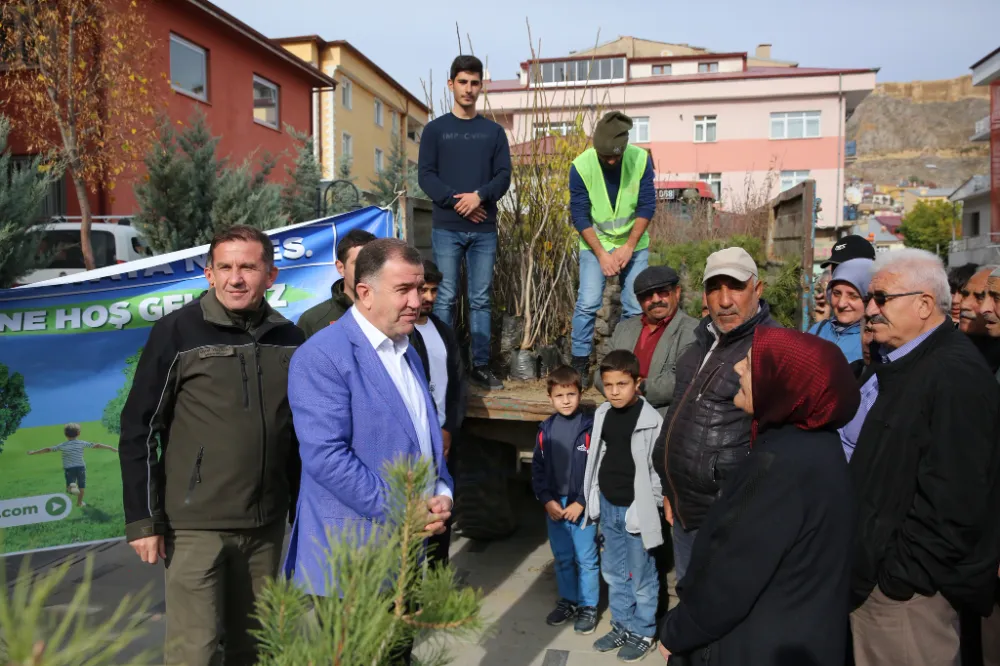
{"points": [[989, 347], [456, 395], [542, 473], [322, 315], [705, 436], [206, 432], [770, 569], [925, 471]]}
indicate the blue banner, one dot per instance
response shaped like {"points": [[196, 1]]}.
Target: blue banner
{"points": [[68, 349]]}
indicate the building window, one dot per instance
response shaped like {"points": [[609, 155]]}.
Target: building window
{"points": [[790, 179], [188, 68], [704, 129], [708, 67], [379, 113], [973, 226], [795, 125], [602, 70], [714, 181], [395, 123], [347, 94], [662, 70], [640, 130], [347, 145], [265, 102], [413, 130], [379, 160]]}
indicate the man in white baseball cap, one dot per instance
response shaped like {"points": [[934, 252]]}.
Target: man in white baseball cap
{"points": [[709, 435], [732, 288]]}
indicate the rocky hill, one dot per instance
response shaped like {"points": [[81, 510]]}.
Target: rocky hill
{"points": [[919, 130]]}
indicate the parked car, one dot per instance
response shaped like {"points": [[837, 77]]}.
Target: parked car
{"points": [[112, 243]]}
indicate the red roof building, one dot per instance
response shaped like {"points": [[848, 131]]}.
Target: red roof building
{"points": [[248, 87]]}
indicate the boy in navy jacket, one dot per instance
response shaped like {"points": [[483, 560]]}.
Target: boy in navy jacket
{"points": [[557, 474]]}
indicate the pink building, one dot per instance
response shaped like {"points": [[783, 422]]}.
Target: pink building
{"points": [[703, 116]]}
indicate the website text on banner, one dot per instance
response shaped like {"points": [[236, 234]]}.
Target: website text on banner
{"points": [[68, 351]]}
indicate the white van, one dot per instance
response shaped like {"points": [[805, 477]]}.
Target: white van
{"points": [[112, 243]]}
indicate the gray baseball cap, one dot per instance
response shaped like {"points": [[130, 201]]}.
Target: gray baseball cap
{"points": [[732, 261]]}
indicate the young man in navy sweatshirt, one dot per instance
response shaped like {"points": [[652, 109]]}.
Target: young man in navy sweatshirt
{"points": [[464, 168], [557, 470]]}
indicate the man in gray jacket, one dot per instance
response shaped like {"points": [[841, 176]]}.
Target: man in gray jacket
{"points": [[658, 337]]}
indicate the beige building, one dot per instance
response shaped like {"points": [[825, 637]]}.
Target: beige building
{"points": [[634, 47], [925, 194], [360, 116]]}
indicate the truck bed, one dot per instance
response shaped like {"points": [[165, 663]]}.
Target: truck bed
{"points": [[518, 401], [512, 414]]}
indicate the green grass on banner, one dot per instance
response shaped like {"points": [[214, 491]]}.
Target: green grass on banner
{"points": [[24, 476]]}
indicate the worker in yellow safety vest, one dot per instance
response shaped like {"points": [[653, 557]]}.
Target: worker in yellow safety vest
{"points": [[612, 198]]}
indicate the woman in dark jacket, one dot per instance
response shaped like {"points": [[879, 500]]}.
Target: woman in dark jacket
{"points": [[769, 577]]}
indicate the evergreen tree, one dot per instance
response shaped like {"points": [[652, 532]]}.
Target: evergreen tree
{"points": [[388, 598], [191, 194], [299, 196], [244, 197], [396, 175], [30, 634], [341, 198], [22, 191]]}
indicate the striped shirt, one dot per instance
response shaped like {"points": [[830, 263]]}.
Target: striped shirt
{"points": [[869, 394], [72, 452]]}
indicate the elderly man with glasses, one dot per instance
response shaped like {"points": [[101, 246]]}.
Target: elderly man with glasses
{"points": [[925, 471]]}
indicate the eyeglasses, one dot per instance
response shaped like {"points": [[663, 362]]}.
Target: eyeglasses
{"points": [[881, 298]]}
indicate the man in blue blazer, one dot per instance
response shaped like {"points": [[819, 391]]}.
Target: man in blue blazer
{"points": [[360, 399]]}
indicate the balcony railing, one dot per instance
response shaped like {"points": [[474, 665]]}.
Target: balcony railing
{"points": [[982, 130], [975, 242]]}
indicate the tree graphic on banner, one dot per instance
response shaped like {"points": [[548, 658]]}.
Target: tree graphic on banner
{"points": [[14, 404], [112, 418]]}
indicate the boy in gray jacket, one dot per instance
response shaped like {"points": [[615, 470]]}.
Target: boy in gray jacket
{"points": [[623, 492]]}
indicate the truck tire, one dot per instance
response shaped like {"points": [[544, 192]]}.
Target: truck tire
{"points": [[483, 509]]}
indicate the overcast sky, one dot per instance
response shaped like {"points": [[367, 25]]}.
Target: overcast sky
{"points": [[907, 39]]}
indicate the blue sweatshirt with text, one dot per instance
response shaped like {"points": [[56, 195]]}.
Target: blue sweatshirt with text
{"points": [[458, 156]]}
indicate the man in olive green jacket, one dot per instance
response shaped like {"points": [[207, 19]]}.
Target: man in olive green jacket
{"points": [[658, 337], [209, 459], [341, 298]]}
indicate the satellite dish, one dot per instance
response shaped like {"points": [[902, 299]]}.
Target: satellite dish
{"points": [[666, 52], [853, 195]]}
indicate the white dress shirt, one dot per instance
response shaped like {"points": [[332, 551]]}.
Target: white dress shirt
{"points": [[392, 353], [437, 359]]}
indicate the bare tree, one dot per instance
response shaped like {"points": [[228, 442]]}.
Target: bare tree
{"points": [[538, 248], [77, 68]]}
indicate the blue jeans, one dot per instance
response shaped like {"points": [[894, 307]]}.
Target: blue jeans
{"points": [[575, 550], [630, 572], [478, 251], [591, 294], [683, 543]]}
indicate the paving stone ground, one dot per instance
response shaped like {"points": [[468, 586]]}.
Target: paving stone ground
{"points": [[515, 574]]}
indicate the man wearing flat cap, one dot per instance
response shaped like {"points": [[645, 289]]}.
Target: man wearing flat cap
{"points": [[612, 198], [659, 336]]}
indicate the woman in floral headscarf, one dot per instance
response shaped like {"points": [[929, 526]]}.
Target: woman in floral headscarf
{"points": [[770, 570]]}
